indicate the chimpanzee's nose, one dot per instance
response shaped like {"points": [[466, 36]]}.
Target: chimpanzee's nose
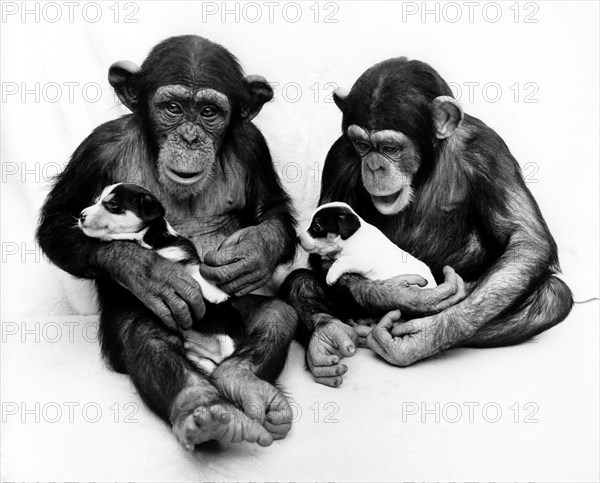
{"points": [[82, 216], [188, 132]]}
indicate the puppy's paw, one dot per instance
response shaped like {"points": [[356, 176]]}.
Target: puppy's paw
{"points": [[331, 277], [216, 296], [212, 293]]}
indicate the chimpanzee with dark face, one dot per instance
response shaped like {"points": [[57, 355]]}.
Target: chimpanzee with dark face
{"points": [[190, 142], [444, 187]]}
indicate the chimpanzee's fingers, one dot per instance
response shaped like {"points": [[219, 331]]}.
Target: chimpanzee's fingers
{"points": [[180, 310], [246, 289], [442, 291], [221, 257], [193, 297], [461, 290], [363, 330], [381, 332], [374, 345], [329, 371], [329, 381], [243, 284], [160, 309], [415, 280], [224, 273], [232, 239], [450, 276], [404, 328], [316, 358]]}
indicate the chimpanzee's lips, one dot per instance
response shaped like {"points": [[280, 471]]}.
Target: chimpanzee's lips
{"points": [[184, 177], [389, 204]]}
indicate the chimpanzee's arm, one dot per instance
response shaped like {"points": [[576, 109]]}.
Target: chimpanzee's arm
{"points": [[87, 173], [247, 259], [267, 201], [511, 216], [342, 182], [161, 285]]}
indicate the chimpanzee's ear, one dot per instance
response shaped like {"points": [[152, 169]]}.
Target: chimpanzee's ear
{"points": [[150, 207], [447, 116], [339, 97], [348, 223], [261, 92], [123, 76]]}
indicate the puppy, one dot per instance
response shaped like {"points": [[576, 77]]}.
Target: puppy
{"points": [[125, 211], [337, 232]]}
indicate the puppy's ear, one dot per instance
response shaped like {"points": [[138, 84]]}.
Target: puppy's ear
{"points": [[150, 207], [348, 223]]}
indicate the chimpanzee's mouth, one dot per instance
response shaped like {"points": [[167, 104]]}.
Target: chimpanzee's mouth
{"points": [[392, 203], [184, 177]]}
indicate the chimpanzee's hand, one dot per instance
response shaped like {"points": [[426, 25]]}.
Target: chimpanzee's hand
{"points": [[161, 285], [401, 292], [244, 262], [404, 343]]}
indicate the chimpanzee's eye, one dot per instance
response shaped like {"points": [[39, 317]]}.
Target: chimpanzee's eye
{"points": [[174, 108], [209, 111], [391, 150], [362, 145]]}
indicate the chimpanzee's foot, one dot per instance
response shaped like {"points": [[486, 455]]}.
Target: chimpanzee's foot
{"points": [[331, 341], [261, 401], [198, 417]]}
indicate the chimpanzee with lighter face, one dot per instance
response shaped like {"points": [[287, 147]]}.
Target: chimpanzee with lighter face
{"points": [[444, 187], [190, 142]]}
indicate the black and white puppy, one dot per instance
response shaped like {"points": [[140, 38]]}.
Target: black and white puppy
{"points": [[126, 211], [338, 233]]}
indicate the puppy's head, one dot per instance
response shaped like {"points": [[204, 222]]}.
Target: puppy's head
{"points": [[120, 209], [331, 225]]}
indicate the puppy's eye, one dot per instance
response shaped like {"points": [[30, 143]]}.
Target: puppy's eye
{"points": [[112, 206], [174, 108], [317, 228]]}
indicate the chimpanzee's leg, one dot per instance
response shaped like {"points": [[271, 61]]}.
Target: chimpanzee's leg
{"points": [[247, 377], [136, 342]]}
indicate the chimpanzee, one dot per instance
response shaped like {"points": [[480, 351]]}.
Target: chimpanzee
{"points": [[189, 140], [444, 187]]}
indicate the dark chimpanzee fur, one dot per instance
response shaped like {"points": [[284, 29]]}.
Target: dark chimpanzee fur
{"points": [[462, 203], [189, 140]]}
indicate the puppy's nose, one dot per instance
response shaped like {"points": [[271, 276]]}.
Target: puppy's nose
{"points": [[82, 216], [298, 239]]}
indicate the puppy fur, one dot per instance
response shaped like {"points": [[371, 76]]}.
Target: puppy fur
{"points": [[125, 211], [338, 233]]}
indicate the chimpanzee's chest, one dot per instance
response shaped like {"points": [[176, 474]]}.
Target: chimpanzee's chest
{"points": [[210, 215], [442, 237], [212, 218]]}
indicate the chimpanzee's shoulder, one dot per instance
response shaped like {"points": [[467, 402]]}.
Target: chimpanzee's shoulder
{"points": [[484, 150]]}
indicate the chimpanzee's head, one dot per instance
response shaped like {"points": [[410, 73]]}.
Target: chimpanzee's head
{"points": [[395, 115], [189, 94]]}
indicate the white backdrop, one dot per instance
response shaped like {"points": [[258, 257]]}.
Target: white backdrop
{"points": [[55, 92], [529, 70]]}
